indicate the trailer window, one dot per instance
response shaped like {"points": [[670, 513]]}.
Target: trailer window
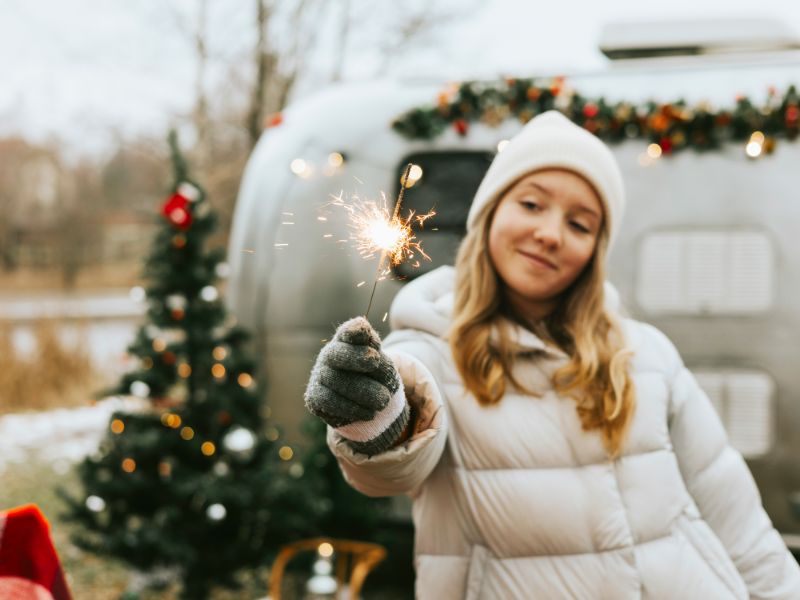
{"points": [[744, 401], [448, 183], [705, 272]]}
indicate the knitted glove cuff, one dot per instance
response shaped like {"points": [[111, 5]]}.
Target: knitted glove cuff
{"points": [[383, 430]]}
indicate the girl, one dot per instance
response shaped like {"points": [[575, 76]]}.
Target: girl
{"points": [[552, 448]]}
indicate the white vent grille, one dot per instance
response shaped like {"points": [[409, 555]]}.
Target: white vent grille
{"points": [[744, 402], [716, 272]]}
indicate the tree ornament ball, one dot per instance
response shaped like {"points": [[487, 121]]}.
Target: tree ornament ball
{"points": [[216, 512], [140, 389], [95, 503], [209, 293], [223, 270], [239, 442], [176, 301], [189, 191]]}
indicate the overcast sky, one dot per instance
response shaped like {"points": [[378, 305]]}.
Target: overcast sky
{"points": [[86, 69]]}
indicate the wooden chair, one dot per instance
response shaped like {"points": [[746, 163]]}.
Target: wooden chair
{"points": [[361, 556]]}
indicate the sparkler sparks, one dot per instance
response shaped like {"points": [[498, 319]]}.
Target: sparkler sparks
{"points": [[374, 229]]}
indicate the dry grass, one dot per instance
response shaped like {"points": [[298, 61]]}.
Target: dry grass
{"points": [[55, 375], [89, 278]]}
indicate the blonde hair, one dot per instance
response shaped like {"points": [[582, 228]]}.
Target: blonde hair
{"points": [[596, 375]]}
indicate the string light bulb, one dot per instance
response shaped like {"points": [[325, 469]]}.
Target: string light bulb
{"points": [[755, 145], [654, 151], [335, 159], [301, 168], [415, 173]]}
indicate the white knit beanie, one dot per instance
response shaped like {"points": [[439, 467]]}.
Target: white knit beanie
{"points": [[551, 140]]}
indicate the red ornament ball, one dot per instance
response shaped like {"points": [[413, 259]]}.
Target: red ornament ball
{"points": [[792, 114], [590, 110], [461, 127], [666, 145]]}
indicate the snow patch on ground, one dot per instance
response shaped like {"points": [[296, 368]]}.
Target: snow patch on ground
{"points": [[60, 437]]}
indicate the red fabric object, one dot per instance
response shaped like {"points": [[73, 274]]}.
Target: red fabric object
{"points": [[29, 565], [176, 210]]}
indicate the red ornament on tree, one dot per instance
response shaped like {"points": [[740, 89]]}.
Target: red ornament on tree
{"points": [[176, 210], [461, 127], [792, 115], [666, 145]]}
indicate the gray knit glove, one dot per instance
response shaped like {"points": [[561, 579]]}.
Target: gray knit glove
{"points": [[355, 388]]}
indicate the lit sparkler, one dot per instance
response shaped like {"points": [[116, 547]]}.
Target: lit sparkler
{"points": [[374, 229]]}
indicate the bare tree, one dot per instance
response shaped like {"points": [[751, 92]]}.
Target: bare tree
{"points": [[194, 28], [342, 38], [31, 182], [279, 63], [264, 63], [201, 99]]}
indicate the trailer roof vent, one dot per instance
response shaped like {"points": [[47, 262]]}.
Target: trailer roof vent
{"points": [[695, 37]]}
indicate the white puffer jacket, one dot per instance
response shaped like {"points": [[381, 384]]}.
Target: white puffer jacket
{"points": [[515, 501]]}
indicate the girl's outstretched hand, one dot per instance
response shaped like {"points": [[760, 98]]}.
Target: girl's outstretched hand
{"points": [[355, 388]]}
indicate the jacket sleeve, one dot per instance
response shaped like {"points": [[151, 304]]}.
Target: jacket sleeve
{"points": [[402, 469], [718, 479]]}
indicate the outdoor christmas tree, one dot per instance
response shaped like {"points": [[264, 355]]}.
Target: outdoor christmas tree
{"points": [[199, 480]]}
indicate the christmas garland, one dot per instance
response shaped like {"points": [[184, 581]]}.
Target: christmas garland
{"points": [[672, 127]]}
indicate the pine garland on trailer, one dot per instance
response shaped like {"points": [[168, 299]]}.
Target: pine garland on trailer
{"points": [[672, 127]]}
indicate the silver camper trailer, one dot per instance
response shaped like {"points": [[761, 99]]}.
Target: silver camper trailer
{"points": [[709, 251]]}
